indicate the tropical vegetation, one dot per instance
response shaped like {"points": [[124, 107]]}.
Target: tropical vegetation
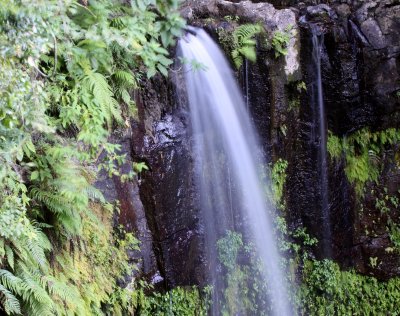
{"points": [[68, 69]]}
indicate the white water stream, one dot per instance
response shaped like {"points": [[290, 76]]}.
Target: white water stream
{"points": [[320, 122], [226, 153]]}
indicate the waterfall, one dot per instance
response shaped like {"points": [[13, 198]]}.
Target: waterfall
{"points": [[230, 168], [320, 123]]}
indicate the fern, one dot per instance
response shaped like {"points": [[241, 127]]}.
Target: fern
{"points": [[244, 43], [33, 290], [67, 193], [362, 150], [10, 256], [123, 82], [30, 249], [334, 146], [62, 88], [97, 84], [25, 282], [280, 41], [9, 301], [125, 79], [11, 282]]}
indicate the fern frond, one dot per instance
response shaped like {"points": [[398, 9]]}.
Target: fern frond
{"points": [[71, 224], [10, 256], [94, 194], [246, 31], [244, 43], [55, 202], [34, 291], [97, 84], [37, 250], [248, 52], [11, 282], [61, 290], [9, 301], [125, 79], [237, 58]]}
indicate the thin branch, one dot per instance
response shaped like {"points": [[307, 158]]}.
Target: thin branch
{"points": [[55, 54], [86, 8], [39, 71]]}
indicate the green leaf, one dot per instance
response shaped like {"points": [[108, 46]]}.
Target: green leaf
{"points": [[163, 70], [10, 256], [34, 175], [151, 72]]}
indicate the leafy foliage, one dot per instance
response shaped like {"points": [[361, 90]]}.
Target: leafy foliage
{"points": [[244, 43], [246, 291], [68, 70], [280, 41], [278, 179], [334, 145], [182, 301], [326, 290], [241, 43], [362, 151]]}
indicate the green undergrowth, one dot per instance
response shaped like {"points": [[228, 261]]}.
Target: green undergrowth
{"points": [[278, 179], [323, 288], [363, 151], [386, 204], [245, 292], [240, 43], [326, 290], [182, 301], [367, 155], [68, 70], [280, 41]]}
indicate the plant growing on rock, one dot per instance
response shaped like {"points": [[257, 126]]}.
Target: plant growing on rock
{"points": [[244, 44], [182, 301], [362, 151], [280, 41], [326, 290]]}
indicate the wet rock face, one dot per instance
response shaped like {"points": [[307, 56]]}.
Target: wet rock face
{"points": [[256, 90], [159, 206], [361, 76], [374, 252], [167, 189], [360, 79], [131, 213]]}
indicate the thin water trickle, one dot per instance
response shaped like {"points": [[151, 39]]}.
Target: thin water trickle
{"points": [[318, 104], [246, 83], [229, 165]]}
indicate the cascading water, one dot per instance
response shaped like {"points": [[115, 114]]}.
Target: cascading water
{"points": [[320, 123], [232, 193]]}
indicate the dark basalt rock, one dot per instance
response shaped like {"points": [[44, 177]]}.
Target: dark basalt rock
{"points": [[131, 210], [357, 94], [374, 252], [159, 206], [167, 189]]}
